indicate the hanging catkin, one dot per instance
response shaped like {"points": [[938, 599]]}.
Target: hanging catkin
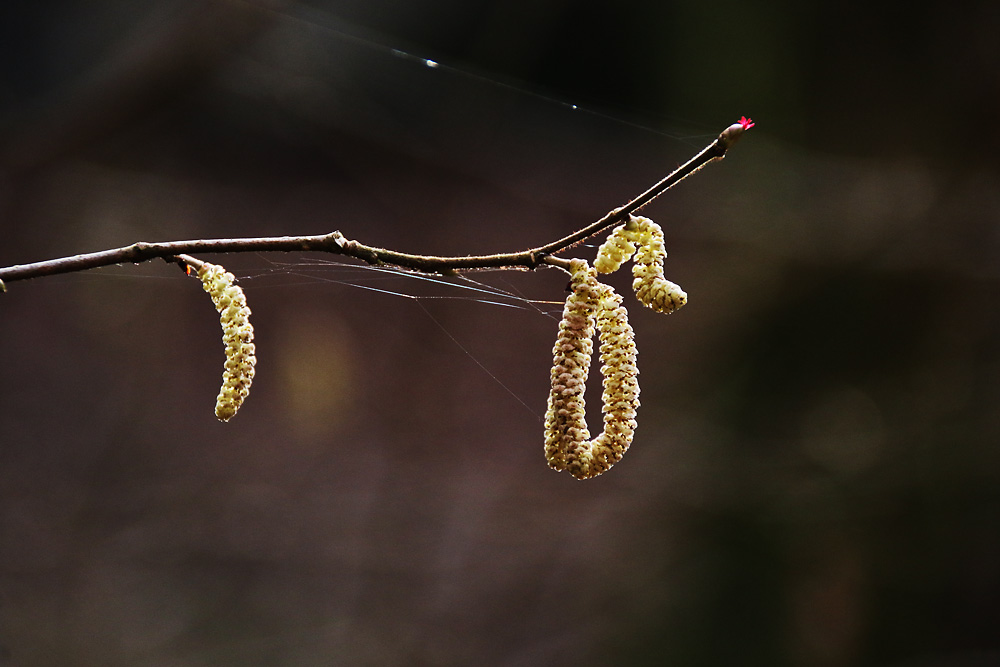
{"points": [[591, 306], [237, 335], [641, 239]]}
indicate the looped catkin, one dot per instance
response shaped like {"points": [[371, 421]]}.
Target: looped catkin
{"points": [[641, 239], [237, 335], [591, 306], [617, 249]]}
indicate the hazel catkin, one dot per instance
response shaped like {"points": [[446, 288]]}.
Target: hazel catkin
{"points": [[617, 249], [591, 307], [651, 288], [237, 335], [641, 239]]}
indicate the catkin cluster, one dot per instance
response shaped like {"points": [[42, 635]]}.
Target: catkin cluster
{"points": [[591, 307], [641, 239], [237, 335]]}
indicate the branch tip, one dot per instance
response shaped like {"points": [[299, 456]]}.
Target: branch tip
{"points": [[732, 134]]}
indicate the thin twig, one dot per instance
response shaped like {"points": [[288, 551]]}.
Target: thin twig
{"points": [[337, 243]]}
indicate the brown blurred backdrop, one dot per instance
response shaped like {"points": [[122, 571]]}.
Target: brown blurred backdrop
{"points": [[814, 480]]}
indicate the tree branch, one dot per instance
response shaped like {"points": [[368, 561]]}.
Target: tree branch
{"points": [[337, 243]]}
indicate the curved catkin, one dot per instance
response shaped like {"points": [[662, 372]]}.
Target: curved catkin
{"points": [[651, 288], [591, 306], [237, 335], [616, 250]]}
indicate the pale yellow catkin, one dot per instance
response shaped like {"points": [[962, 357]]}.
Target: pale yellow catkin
{"points": [[237, 335], [617, 249], [651, 288], [641, 239], [591, 307]]}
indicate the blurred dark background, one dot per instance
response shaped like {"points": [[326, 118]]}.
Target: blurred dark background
{"points": [[814, 480]]}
